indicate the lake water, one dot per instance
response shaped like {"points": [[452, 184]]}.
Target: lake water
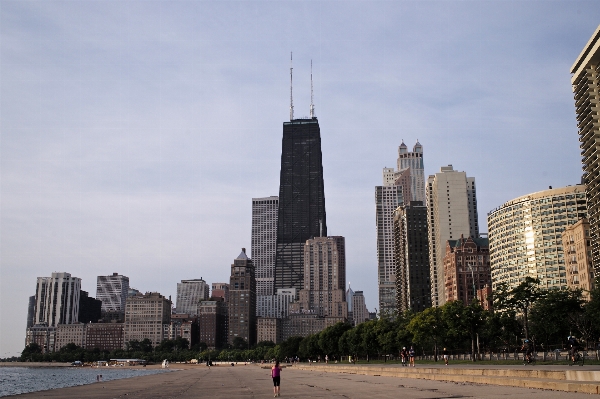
{"points": [[16, 380]]}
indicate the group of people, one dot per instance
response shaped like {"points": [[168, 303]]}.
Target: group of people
{"points": [[572, 344], [407, 355]]}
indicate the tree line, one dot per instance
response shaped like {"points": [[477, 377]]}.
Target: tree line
{"points": [[526, 311]]}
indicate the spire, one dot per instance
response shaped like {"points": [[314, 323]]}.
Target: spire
{"points": [[291, 95], [312, 105]]}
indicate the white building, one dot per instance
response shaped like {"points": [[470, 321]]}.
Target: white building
{"points": [[452, 212], [264, 239], [113, 291], [189, 295], [57, 300], [283, 299], [399, 186]]}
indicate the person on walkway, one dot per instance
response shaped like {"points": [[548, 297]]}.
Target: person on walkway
{"points": [[276, 375], [404, 356], [446, 355], [411, 355]]}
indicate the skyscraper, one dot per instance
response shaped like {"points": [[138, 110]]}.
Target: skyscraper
{"points": [[147, 316], [452, 212], [585, 83], [189, 295], [301, 214], [264, 240], [112, 291], [411, 252], [57, 299], [399, 186], [242, 300]]}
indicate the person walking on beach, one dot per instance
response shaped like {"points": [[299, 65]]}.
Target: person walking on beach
{"points": [[411, 355], [276, 375], [446, 355]]}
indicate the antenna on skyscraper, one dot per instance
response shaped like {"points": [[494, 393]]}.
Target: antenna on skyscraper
{"points": [[291, 95], [312, 105]]}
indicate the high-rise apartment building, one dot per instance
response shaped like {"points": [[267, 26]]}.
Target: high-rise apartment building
{"points": [[90, 309], [242, 300], [577, 247], [57, 300], [525, 236], [147, 316], [452, 212], [212, 323], [411, 252], [585, 82], [466, 268], [264, 241], [189, 295], [31, 311], [301, 214], [112, 291], [220, 290], [399, 186], [324, 277], [359, 308]]}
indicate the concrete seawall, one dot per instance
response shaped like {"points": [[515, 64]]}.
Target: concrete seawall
{"points": [[558, 378]]}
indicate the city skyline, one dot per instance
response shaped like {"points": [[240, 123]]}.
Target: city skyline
{"points": [[134, 135]]}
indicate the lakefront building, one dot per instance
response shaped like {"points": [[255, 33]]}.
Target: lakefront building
{"points": [[452, 213], [585, 81], [576, 243], [242, 300], [147, 316], [57, 300], [399, 186], [189, 294], [525, 236], [112, 291], [264, 241]]}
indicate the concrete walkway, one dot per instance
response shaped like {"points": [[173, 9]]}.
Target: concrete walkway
{"points": [[252, 381]]}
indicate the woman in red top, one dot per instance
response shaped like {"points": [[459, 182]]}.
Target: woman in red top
{"points": [[275, 373]]}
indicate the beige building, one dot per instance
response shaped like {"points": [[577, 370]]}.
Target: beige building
{"points": [[42, 335], [577, 247], [452, 212], [70, 333], [586, 83], [268, 329], [147, 316], [324, 278], [525, 236], [303, 325]]}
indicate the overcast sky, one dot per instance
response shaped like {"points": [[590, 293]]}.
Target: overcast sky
{"points": [[135, 134]]}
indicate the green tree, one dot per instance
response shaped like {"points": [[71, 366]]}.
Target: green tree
{"points": [[239, 343], [520, 299], [554, 316], [428, 328], [330, 337], [32, 352]]}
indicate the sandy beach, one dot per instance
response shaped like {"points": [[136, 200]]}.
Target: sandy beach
{"points": [[199, 381]]}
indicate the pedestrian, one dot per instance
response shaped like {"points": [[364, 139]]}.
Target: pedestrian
{"points": [[404, 356], [411, 355], [276, 375], [446, 355], [326, 359]]}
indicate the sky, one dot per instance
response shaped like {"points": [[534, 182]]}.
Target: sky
{"points": [[134, 134]]}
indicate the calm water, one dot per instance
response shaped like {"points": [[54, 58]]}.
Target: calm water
{"points": [[15, 380]]}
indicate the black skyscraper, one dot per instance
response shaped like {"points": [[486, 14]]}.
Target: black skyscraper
{"points": [[301, 199]]}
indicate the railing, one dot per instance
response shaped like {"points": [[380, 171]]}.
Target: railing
{"points": [[517, 355]]}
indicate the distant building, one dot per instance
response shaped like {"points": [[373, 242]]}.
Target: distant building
{"points": [[467, 269], [359, 308], [400, 186], [105, 336], [242, 300], [189, 295], [133, 292], [112, 291], [220, 290], [269, 329], [42, 335], [212, 323], [284, 298], [57, 300], [264, 241], [90, 309], [525, 236], [31, 311], [452, 212], [584, 82], [303, 325], [147, 316], [70, 334], [349, 295], [184, 326], [324, 278], [576, 244], [411, 257]]}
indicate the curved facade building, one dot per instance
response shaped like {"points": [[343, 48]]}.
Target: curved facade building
{"points": [[525, 236]]}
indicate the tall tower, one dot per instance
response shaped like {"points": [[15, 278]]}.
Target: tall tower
{"points": [[242, 300], [399, 186], [301, 214], [264, 240], [586, 86], [112, 291], [57, 299], [452, 212]]}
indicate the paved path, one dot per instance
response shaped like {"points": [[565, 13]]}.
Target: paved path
{"points": [[254, 382]]}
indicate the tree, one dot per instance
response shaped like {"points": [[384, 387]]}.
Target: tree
{"points": [[428, 328], [555, 315], [31, 352], [519, 299], [239, 343], [329, 338]]}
